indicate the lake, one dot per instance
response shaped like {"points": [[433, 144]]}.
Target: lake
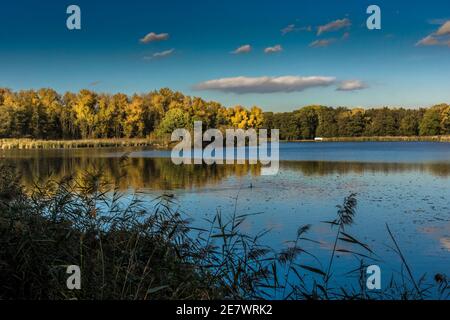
{"points": [[403, 184]]}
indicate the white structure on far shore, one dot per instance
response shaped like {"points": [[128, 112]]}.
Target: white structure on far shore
{"points": [[318, 139]]}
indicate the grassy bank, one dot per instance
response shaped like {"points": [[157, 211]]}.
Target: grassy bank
{"points": [[128, 249], [6, 144]]}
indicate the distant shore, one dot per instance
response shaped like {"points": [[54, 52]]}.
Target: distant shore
{"points": [[11, 143], [445, 138]]}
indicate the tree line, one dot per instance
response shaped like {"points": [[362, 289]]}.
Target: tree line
{"points": [[321, 121], [45, 114], [86, 114]]}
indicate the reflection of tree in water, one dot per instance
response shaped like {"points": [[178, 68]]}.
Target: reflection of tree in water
{"points": [[162, 174], [139, 173], [322, 168]]}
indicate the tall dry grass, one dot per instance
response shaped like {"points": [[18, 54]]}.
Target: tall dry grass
{"points": [[24, 143], [130, 249]]}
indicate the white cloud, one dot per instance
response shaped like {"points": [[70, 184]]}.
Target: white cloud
{"points": [[243, 49], [292, 28], [334, 25], [428, 41], [351, 85], [288, 29], [151, 37], [441, 37], [444, 29], [161, 54], [321, 43], [241, 85], [274, 49], [164, 53]]}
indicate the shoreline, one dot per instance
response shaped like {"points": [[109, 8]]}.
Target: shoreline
{"points": [[444, 138], [26, 143]]}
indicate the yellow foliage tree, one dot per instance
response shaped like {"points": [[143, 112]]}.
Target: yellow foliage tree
{"points": [[134, 118]]}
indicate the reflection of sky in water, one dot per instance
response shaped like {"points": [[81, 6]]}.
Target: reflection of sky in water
{"points": [[398, 152], [406, 185], [408, 202], [368, 152]]}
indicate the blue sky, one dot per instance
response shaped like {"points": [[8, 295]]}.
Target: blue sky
{"points": [[374, 67]]}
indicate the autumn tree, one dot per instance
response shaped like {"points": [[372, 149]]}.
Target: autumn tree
{"points": [[68, 118], [85, 112], [238, 117], [53, 108], [46, 114], [6, 113], [134, 122]]}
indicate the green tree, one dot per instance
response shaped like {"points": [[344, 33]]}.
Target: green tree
{"points": [[175, 118], [351, 123], [431, 122], [409, 124], [382, 122], [327, 123], [445, 119], [308, 121]]}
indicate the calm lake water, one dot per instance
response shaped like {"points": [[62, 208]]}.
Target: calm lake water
{"points": [[405, 184]]}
